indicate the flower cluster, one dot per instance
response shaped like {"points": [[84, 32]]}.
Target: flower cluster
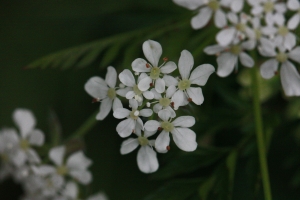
{"points": [[264, 28], [56, 179], [154, 95]]}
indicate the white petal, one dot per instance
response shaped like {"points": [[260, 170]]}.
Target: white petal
{"points": [[294, 21], [226, 62], [125, 127], [148, 95], [144, 84], [200, 74], [151, 125], [249, 45], [237, 5], [185, 63], [56, 154], [146, 112], [220, 19], [202, 18], [164, 114], [129, 145], [133, 103], [141, 76], [36, 137], [162, 141], [152, 51], [290, 41], [225, 36], [147, 160], [25, 121], [268, 68], [139, 65], [157, 107], [246, 60], [111, 77], [121, 113], [19, 158], [185, 139], [293, 4], [184, 121], [83, 176], [196, 95], [213, 49], [123, 91], [189, 4], [295, 54], [170, 80], [178, 99], [156, 94], [117, 104], [98, 196], [148, 134], [130, 95], [233, 18], [160, 85], [168, 67], [256, 10], [43, 170], [105, 108], [280, 7], [173, 114], [33, 157], [78, 161], [127, 78], [96, 87], [290, 79], [170, 91]]}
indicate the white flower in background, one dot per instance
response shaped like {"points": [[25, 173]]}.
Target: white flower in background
{"points": [[293, 22], [30, 136], [127, 126], [228, 58], [127, 78], [98, 196], [238, 31], [105, 91], [152, 51], [282, 35], [75, 166], [146, 157], [205, 8], [183, 137], [199, 76], [69, 192], [290, 78], [164, 102], [267, 7]]}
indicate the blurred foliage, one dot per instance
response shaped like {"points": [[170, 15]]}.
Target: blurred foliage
{"points": [[225, 165]]}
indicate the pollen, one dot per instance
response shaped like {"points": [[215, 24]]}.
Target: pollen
{"points": [[167, 126], [184, 84], [154, 73]]}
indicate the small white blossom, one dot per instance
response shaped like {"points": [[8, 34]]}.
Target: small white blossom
{"points": [[293, 22]]}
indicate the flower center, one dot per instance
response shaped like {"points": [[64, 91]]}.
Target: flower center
{"points": [[240, 27], [167, 126], [111, 93], [268, 6], [143, 141], [154, 73], [165, 102], [257, 33], [184, 84], [281, 57], [136, 90], [134, 114], [62, 170], [235, 49], [214, 5], [24, 144], [282, 30]]}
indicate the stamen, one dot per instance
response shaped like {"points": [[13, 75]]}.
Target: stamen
{"points": [[165, 59], [136, 113], [148, 104], [168, 148], [276, 72], [151, 84], [189, 99], [159, 128], [147, 65], [95, 100]]}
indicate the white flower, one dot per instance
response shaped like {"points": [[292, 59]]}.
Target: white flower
{"points": [[237, 32], [228, 58], [198, 76], [266, 6], [127, 78], [152, 51], [30, 136], [208, 8], [183, 137], [293, 22], [127, 126], [98, 196], [164, 102], [146, 157], [290, 78], [76, 165], [105, 91]]}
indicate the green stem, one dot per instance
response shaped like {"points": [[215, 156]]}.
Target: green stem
{"points": [[259, 134], [86, 126]]}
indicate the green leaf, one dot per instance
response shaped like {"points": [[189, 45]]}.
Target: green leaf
{"points": [[189, 162], [206, 187], [231, 163], [176, 190]]}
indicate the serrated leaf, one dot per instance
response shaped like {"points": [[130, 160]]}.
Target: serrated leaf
{"points": [[189, 162], [176, 190], [110, 55]]}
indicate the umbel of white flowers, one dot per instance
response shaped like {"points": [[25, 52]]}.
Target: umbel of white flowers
{"points": [[156, 88]]}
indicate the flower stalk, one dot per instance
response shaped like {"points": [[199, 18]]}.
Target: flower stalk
{"points": [[259, 134]]}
